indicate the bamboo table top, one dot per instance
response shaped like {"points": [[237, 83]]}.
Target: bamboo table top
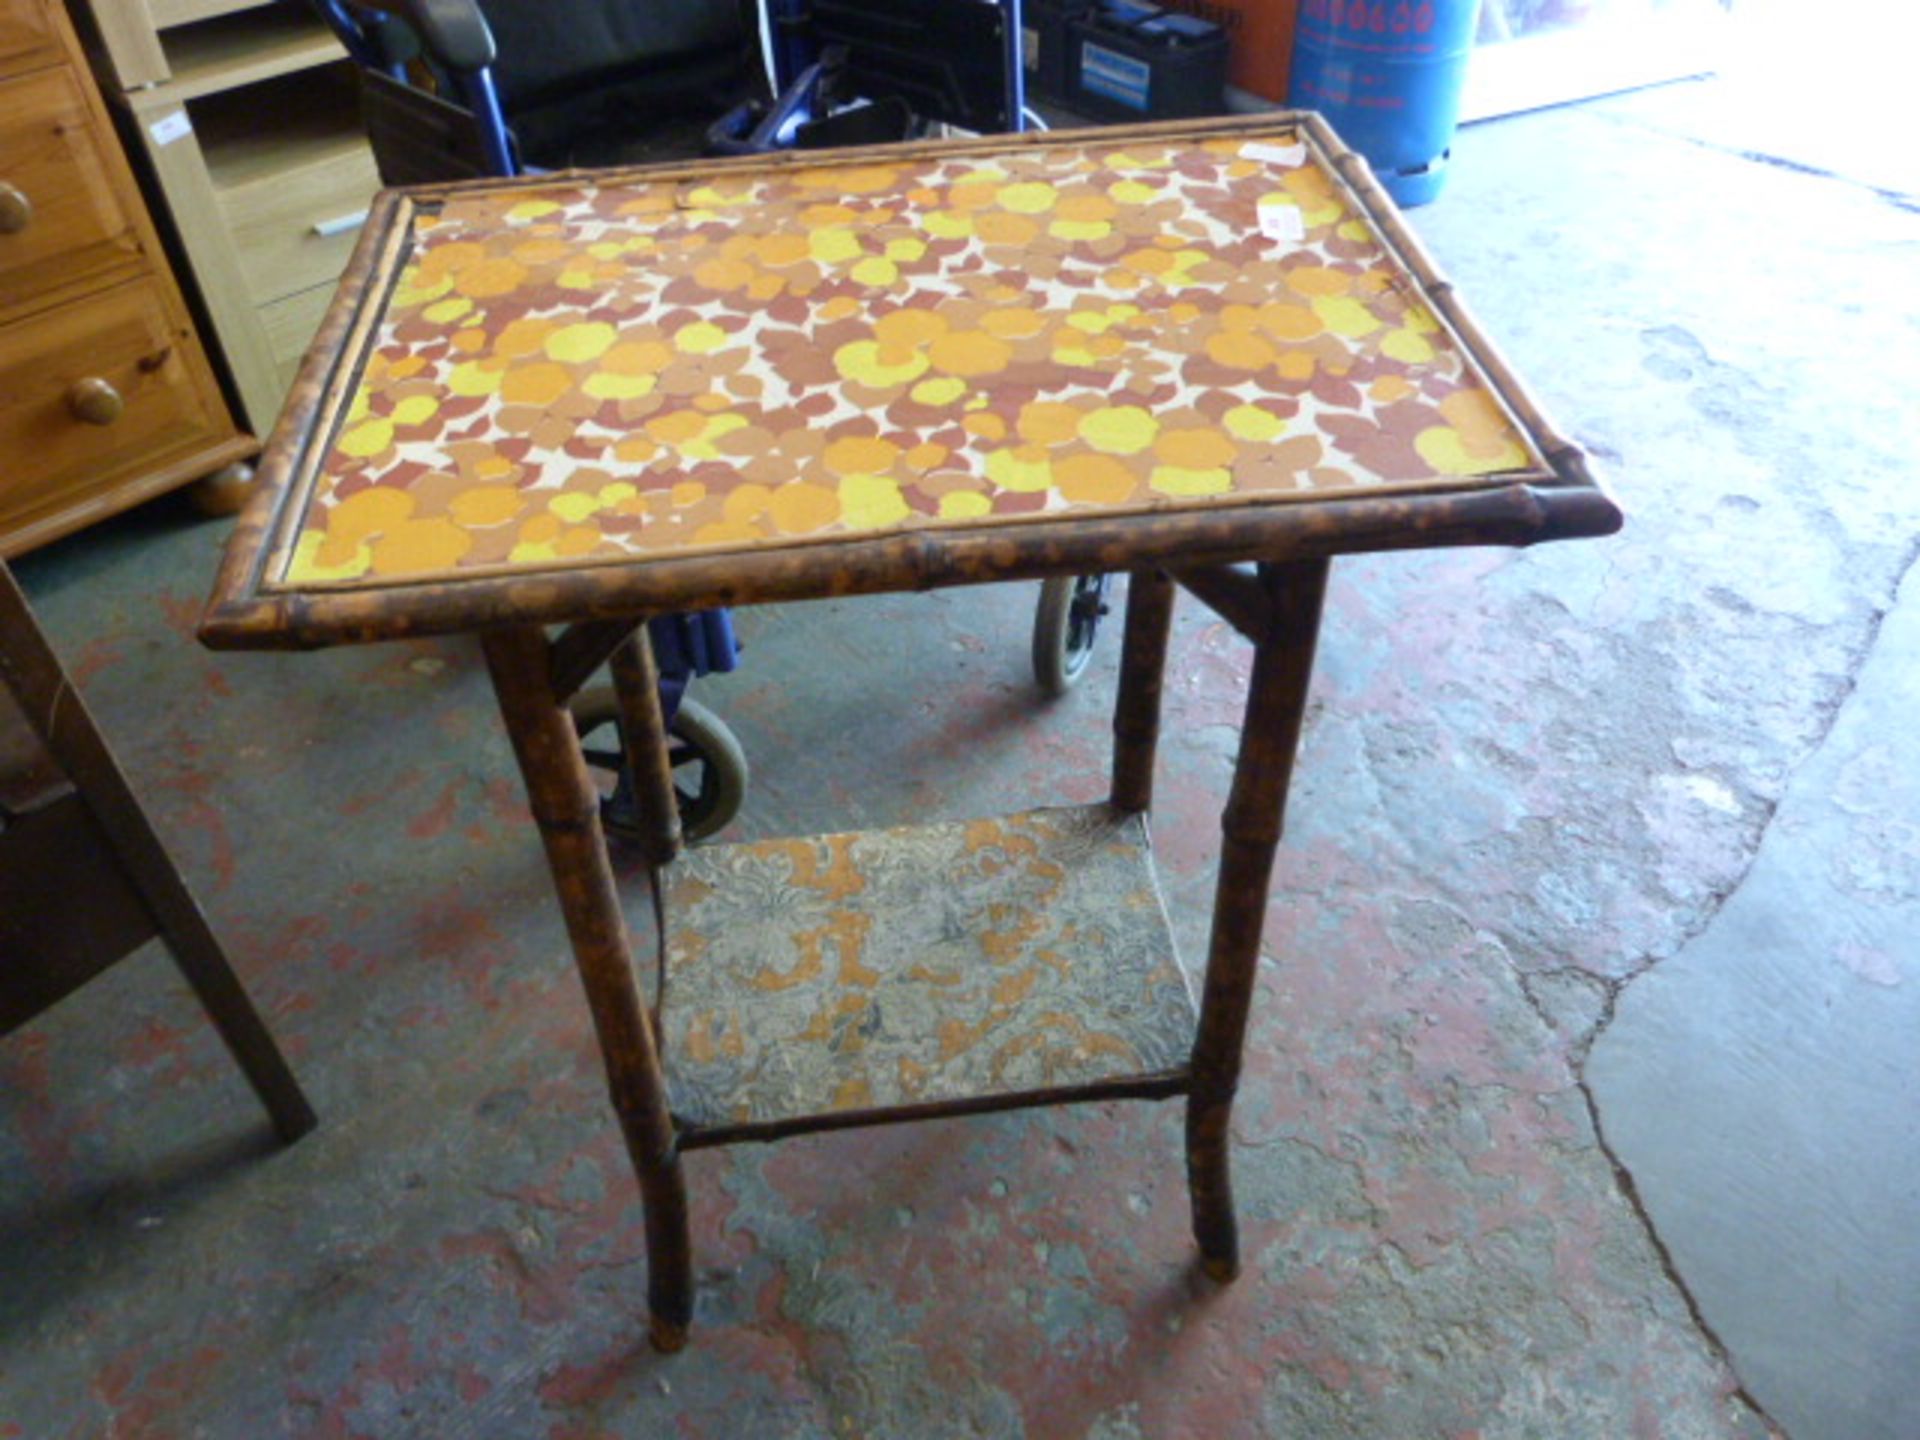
{"points": [[576, 396]]}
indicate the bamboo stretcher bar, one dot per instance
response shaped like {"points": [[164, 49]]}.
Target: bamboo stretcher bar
{"points": [[1233, 592]]}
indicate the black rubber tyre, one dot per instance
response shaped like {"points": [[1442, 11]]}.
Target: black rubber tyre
{"points": [[709, 767], [1064, 626]]}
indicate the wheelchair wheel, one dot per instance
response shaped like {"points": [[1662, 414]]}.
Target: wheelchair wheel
{"points": [[1064, 626], [709, 767]]}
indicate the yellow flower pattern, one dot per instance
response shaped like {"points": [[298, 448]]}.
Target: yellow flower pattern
{"points": [[591, 373]]}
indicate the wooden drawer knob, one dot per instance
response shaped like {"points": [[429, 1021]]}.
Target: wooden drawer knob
{"points": [[95, 402], [16, 210]]}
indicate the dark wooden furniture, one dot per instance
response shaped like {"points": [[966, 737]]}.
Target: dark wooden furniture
{"points": [[84, 881], [1208, 354]]}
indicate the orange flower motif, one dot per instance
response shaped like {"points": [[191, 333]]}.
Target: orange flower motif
{"points": [[490, 278], [969, 352]]}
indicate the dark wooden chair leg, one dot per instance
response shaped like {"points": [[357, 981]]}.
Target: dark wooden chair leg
{"points": [[195, 950], [59, 717], [1136, 709], [566, 808], [1250, 833]]}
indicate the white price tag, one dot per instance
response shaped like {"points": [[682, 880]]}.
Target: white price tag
{"points": [[170, 128], [1282, 222], [1295, 154]]}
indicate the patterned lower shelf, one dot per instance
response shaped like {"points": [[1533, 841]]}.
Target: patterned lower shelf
{"points": [[980, 964]]}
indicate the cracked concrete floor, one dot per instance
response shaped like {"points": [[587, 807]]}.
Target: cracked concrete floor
{"points": [[1615, 833]]}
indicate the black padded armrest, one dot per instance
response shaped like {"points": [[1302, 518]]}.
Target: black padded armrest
{"points": [[454, 32]]}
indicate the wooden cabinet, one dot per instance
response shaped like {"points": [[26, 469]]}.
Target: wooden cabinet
{"points": [[83, 385], [28, 39], [248, 116], [295, 198], [106, 396], [69, 224]]}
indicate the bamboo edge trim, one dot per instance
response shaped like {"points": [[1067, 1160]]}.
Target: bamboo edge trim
{"points": [[1350, 171], [1516, 515], [253, 543], [1161, 1085], [337, 378]]}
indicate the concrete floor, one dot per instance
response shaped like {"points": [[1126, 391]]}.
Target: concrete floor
{"points": [[1582, 1087]]}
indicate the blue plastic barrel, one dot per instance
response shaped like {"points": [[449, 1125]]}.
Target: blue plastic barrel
{"points": [[1387, 74]]}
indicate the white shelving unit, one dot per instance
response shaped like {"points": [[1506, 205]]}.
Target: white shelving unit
{"points": [[246, 114]]}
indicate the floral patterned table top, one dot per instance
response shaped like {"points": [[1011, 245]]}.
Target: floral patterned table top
{"points": [[582, 373]]}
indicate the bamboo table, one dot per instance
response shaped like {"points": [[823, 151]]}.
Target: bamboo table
{"points": [[1208, 354]]}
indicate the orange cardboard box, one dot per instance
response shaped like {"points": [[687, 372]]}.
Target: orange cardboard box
{"points": [[1261, 33]]}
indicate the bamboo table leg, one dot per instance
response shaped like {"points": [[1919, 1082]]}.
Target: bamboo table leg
{"points": [[1250, 833], [566, 807], [643, 724], [1136, 709]]}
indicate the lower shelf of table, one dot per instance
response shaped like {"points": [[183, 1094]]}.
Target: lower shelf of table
{"points": [[856, 978]]}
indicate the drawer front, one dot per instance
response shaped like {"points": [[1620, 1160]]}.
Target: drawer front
{"points": [[290, 325], [62, 364], [296, 230], [60, 221], [27, 37]]}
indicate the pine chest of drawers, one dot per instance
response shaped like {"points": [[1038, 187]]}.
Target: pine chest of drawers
{"points": [[106, 396]]}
